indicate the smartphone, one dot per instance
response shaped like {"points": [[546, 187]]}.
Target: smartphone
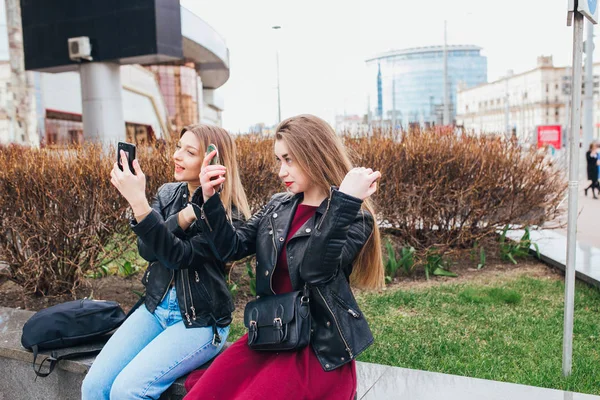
{"points": [[215, 160], [129, 149], [209, 149]]}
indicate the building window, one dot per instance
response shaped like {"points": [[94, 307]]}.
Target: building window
{"points": [[75, 136]]}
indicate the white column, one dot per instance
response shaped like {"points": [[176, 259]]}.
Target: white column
{"points": [[102, 106]]}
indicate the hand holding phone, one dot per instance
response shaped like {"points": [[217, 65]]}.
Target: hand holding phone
{"points": [[129, 150], [130, 183]]}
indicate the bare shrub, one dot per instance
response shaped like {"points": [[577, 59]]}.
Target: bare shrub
{"points": [[59, 213]]}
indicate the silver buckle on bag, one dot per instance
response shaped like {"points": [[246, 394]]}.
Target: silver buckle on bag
{"points": [[277, 324]]}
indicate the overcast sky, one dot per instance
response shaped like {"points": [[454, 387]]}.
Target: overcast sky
{"points": [[323, 46]]}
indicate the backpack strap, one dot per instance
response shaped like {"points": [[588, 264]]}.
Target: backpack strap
{"points": [[54, 358]]}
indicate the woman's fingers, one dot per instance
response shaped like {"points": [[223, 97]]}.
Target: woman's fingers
{"points": [[137, 168], [374, 175], [125, 163]]}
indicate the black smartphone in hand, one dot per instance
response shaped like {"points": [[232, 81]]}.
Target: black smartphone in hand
{"points": [[129, 149]]}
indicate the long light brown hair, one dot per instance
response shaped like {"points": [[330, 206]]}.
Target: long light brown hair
{"points": [[233, 193], [322, 156]]}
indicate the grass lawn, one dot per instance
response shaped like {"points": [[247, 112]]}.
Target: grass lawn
{"points": [[508, 329]]}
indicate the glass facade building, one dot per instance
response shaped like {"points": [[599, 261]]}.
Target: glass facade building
{"points": [[407, 86]]}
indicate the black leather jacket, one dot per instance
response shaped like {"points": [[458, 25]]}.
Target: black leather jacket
{"points": [[320, 253], [182, 257]]}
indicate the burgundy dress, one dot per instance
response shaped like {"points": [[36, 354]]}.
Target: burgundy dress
{"points": [[242, 373]]}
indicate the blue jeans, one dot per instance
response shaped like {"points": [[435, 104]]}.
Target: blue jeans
{"points": [[148, 353]]}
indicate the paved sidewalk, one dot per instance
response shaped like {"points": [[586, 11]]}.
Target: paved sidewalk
{"points": [[588, 219], [553, 249], [381, 382]]}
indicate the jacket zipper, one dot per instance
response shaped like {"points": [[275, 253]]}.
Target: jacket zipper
{"points": [[168, 286], [275, 248], [191, 298], [345, 306], [185, 311], [336, 323], [203, 217], [326, 210]]}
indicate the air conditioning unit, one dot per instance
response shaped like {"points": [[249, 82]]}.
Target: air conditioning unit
{"points": [[80, 48]]}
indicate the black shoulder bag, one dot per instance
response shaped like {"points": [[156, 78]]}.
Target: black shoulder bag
{"points": [[279, 322]]}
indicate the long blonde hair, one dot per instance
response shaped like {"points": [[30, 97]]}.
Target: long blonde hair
{"points": [[233, 193], [322, 156]]}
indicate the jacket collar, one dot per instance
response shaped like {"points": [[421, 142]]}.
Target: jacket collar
{"points": [[298, 197], [282, 215]]}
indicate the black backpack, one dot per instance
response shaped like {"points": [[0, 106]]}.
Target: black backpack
{"points": [[70, 324]]}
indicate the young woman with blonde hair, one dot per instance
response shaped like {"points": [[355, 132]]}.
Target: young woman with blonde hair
{"points": [[185, 318], [321, 234]]}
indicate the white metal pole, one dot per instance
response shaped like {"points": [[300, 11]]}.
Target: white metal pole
{"points": [[573, 189], [278, 90], [277, 27], [506, 106], [588, 98], [446, 117], [393, 102]]}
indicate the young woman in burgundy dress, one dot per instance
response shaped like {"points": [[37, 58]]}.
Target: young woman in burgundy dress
{"points": [[320, 232]]}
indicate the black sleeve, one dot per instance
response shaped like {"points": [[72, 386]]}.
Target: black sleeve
{"points": [[339, 236], [228, 243], [172, 251], [172, 223]]}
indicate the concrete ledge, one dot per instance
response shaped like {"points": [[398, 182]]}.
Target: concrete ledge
{"points": [[375, 381]]}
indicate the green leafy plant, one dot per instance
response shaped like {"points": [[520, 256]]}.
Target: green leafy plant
{"points": [[128, 269], [101, 272], [252, 278], [511, 250], [482, 258], [233, 288], [407, 261], [392, 264], [436, 265], [478, 252]]}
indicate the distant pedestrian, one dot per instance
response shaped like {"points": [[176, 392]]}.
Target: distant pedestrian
{"points": [[593, 164]]}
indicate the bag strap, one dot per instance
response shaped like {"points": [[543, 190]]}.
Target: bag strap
{"points": [[53, 359], [306, 293]]}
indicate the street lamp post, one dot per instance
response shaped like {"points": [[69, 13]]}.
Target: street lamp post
{"points": [[277, 27]]}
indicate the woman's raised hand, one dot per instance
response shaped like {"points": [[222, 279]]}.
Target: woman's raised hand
{"points": [[132, 187], [211, 176], [360, 182]]}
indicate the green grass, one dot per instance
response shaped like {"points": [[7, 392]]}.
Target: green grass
{"points": [[507, 331]]}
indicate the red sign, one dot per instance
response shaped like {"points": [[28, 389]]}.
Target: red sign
{"points": [[549, 135]]}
